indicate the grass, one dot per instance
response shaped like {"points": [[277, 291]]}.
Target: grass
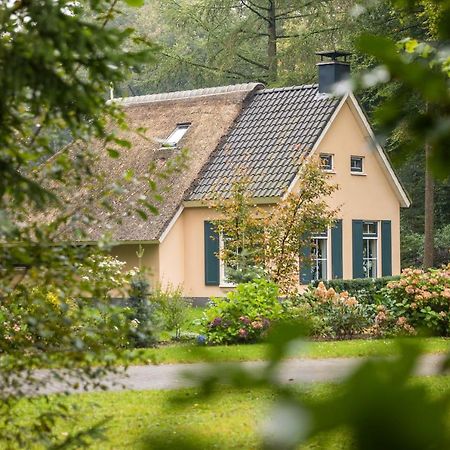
{"points": [[140, 420], [190, 353]]}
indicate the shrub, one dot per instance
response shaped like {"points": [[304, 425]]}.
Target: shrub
{"points": [[388, 323], [244, 315], [422, 297], [335, 315], [364, 289], [143, 313], [173, 308]]}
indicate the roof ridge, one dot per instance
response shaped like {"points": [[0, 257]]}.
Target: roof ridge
{"points": [[288, 88], [193, 93]]}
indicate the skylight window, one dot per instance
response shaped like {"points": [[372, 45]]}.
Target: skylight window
{"points": [[177, 134]]}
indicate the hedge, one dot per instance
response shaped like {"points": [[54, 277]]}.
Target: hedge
{"points": [[364, 289]]}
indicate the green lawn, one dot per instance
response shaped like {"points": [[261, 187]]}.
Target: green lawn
{"points": [[231, 421], [189, 353]]}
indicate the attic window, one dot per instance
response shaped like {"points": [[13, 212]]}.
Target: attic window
{"points": [[177, 134], [326, 161], [356, 164]]}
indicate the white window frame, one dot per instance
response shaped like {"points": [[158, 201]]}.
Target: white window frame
{"points": [[326, 237], [357, 172], [223, 282], [331, 155], [372, 237], [177, 134]]}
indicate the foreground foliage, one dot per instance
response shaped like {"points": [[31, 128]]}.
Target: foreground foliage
{"points": [[58, 58]]}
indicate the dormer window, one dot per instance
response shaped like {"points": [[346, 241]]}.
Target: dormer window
{"points": [[327, 162], [177, 134]]}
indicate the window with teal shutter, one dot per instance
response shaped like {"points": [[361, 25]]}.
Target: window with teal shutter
{"points": [[386, 248], [336, 250], [305, 266], [212, 266], [357, 241]]}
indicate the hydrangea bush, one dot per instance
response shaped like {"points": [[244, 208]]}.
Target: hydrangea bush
{"points": [[244, 315], [341, 315], [423, 298]]}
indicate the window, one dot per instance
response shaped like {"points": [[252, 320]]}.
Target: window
{"points": [[177, 134], [327, 162], [356, 164], [370, 249], [319, 253], [225, 268]]}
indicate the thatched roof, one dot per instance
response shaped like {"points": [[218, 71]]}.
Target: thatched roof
{"points": [[211, 113]]}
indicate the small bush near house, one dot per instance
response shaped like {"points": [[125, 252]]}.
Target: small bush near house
{"points": [[244, 315], [364, 289], [387, 323], [334, 315], [173, 308], [144, 312], [422, 298]]}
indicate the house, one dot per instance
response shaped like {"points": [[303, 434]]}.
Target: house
{"points": [[268, 132]]}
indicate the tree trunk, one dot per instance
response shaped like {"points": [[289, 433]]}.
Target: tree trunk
{"points": [[428, 254], [272, 44]]}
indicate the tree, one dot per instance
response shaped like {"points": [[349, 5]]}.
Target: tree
{"points": [[418, 122], [58, 59], [300, 214], [241, 226], [245, 40], [270, 240]]}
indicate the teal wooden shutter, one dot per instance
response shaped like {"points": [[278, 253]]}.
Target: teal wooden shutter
{"points": [[305, 267], [386, 248], [336, 250], [357, 240], [212, 267]]}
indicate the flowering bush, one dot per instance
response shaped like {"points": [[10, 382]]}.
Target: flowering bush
{"points": [[423, 298], [243, 315], [38, 316], [340, 314], [388, 323]]}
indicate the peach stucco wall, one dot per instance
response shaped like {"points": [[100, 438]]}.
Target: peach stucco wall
{"points": [[172, 261], [179, 261], [365, 197], [150, 258]]}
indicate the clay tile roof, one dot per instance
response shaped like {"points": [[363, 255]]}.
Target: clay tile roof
{"points": [[267, 143]]}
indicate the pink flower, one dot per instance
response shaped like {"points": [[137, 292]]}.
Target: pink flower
{"points": [[256, 325], [351, 302], [242, 333]]}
